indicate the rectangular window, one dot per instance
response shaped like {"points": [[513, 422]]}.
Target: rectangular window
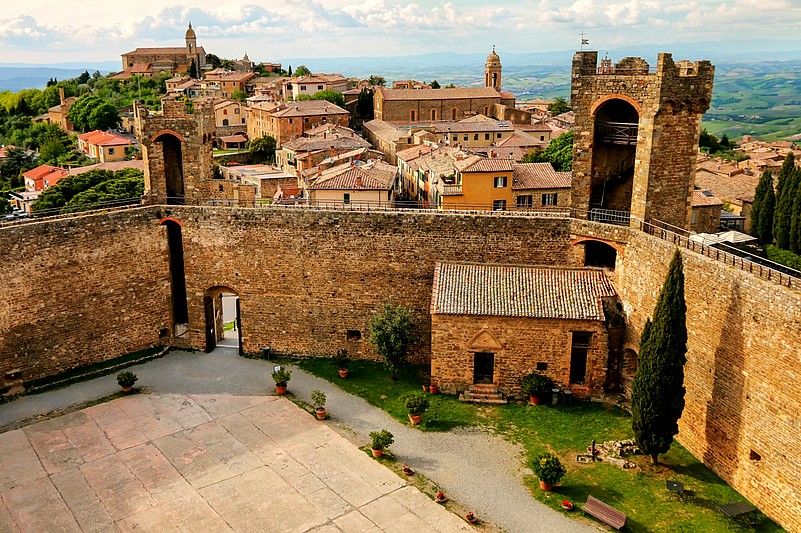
{"points": [[466, 137], [524, 201], [319, 87], [346, 198], [499, 135], [694, 216], [549, 199], [486, 136], [579, 348], [541, 365], [354, 335], [111, 151], [500, 181], [475, 137], [236, 110], [302, 87], [499, 205]]}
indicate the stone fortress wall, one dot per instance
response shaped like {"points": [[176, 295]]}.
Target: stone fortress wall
{"points": [[88, 288]]}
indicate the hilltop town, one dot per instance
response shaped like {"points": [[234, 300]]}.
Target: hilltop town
{"points": [[190, 205]]}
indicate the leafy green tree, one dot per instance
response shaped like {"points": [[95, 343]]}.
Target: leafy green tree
{"points": [[262, 150], [17, 160], [450, 86], [782, 222], [708, 142], [192, 69], [89, 188], [83, 78], [364, 105], [330, 95], [106, 192], [559, 106], [435, 84], [377, 81], [239, 95], [657, 397], [302, 70], [392, 331], [92, 113], [559, 153], [213, 60], [762, 210]]}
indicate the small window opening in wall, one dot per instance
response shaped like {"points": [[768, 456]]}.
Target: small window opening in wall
{"points": [[542, 365], [354, 335], [754, 456], [222, 188]]}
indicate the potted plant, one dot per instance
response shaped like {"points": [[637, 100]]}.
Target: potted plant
{"points": [[343, 361], [281, 376], [441, 498], [379, 441], [567, 505], [471, 517], [126, 380], [416, 403], [318, 400], [549, 469], [535, 386], [433, 388]]}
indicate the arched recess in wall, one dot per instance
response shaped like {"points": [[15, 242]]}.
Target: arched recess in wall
{"points": [[172, 155], [613, 154], [598, 253], [222, 318], [629, 368], [175, 245]]}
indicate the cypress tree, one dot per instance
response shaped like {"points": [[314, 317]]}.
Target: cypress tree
{"points": [[192, 69], [657, 398], [762, 210], [782, 221], [795, 219], [787, 168]]}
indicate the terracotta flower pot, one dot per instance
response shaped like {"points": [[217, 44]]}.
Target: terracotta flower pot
{"points": [[127, 389], [280, 390], [441, 498], [321, 413], [545, 486], [377, 453], [415, 419], [471, 518], [567, 506], [343, 373], [434, 389], [535, 400], [426, 388]]}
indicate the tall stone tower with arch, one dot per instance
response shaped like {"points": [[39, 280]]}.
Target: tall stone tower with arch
{"points": [[636, 135], [492, 71], [176, 150], [193, 53]]}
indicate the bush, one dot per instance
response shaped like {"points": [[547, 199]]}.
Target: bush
{"points": [[785, 257], [342, 359], [536, 385], [548, 468], [281, 376], [318, 399], [381, 439], [126, 379], [416, 403]]}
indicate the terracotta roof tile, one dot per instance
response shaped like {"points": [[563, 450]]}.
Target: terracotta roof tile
{"points": [[484, 164], [373, 175], [704, 199], [439, 94], [523, 291], [539, 176]]}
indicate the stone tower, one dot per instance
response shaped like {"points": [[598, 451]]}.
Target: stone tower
{"points": [[177, 150], [636, 135], [492, 71], [191, 43]]}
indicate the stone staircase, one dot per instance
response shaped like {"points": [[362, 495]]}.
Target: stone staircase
{"points": [[480, 393]]}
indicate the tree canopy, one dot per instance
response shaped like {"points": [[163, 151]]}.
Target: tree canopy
{"points": [[90, 112], [657, 397], [392, 331], [378, 81], [330, 95], [559, 153], [81, 190], [762, 210], [559, 106], [302, 70], [262, 150]]}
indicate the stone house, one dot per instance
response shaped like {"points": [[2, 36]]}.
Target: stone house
{"points": [[493, 324], [58, 113], [308, 85], [706, 210], [287, 121], [483, 183], [42, 177], [229, 81], [538, 185], [416, 105], [306, 152], [386, 138], [476, 131], [356, 183], [230, 113]]}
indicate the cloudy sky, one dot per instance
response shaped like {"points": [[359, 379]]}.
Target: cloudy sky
{"points": [[47, 31]]}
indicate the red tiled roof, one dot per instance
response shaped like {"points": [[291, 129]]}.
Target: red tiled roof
{"points": [[113, 166], [44, 176], [524, 291], [539, 176], [371, 176], [233, 139], [439, 94], [102, 138], [704, 199], [484, 164]]}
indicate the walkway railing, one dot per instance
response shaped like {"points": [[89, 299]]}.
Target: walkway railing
{"points": [[617, 132], [763, 268]]}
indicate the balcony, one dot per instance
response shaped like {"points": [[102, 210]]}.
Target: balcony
{"points": [[616, 132], [451, 190]]}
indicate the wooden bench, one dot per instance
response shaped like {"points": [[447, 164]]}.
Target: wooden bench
{"points": [[604, 512]]}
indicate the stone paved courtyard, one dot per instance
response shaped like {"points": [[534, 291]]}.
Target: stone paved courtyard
{"points": [[205, 462]]}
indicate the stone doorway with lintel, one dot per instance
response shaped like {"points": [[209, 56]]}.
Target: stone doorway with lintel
{"points": [[222, 319]]}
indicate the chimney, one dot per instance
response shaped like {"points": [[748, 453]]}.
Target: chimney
{"points": [[61, 94], [359, 182]]}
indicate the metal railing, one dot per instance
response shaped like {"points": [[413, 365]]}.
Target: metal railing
{"points": [[776, 273], [617, 132], [451, 190], [610, 216]]}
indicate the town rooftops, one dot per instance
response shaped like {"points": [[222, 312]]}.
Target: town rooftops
{"points": [[704, 198], [43, 176], [305, 108], [539, 176], [373, 175], [178, 50], [473, 126], [438, 94], [102, 138], [484, 164], [521, 291]]}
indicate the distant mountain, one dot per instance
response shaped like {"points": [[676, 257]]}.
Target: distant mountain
{"points": [[17, 76]]}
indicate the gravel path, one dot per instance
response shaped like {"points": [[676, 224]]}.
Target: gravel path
{"points": [[483, 472]]}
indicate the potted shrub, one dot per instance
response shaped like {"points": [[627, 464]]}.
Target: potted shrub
{"points": [[536, 386], [379, 441], [318, 400], [471, 517], [549, 469], [281, 376], [343, 361], [416, 403], [126, 380]]}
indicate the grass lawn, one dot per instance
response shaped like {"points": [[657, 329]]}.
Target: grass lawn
{"points": [[565, 431]]}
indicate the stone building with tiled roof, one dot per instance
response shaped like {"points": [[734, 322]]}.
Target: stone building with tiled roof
{"points": [[493, 324], [706, 211], [285, 121], [360, 184], [104, 146], [306, 152], [174, 59], [538, 186]]}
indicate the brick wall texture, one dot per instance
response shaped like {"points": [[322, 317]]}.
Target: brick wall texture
{"points": [[88, 288]]}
